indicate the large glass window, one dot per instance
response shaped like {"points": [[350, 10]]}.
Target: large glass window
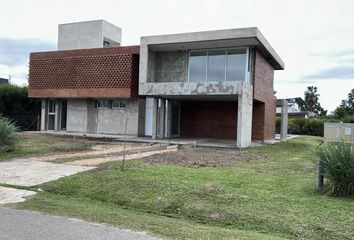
{"points": [[216, 65], [197, 66], [236, 65]]}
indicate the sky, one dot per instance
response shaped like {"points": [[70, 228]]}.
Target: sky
{"points": [[315, 38]]}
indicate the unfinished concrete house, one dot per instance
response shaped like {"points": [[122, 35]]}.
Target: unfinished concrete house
{"points": [[203, 85]]}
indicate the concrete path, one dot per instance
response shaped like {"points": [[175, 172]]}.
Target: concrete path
{"points": [[30, 173], [11, 195], [24, 225]]}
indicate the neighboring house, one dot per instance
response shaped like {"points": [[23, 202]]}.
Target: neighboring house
{"points": [[4, 81], [214, 84], [295, 106]]}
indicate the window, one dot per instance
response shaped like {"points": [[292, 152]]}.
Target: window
{"points": [[218, 65], [236, 65], [197, 66], [118, 104], [102, 104]]}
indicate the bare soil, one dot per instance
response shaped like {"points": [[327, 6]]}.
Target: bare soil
{"points": [[205, 157]]}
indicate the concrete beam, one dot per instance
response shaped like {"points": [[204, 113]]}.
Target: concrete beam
{"points": [[244, 117], [190, 88], [284, 121]]}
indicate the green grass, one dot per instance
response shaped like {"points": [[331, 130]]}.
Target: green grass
{"points": [[37, 144], [249, 200]]}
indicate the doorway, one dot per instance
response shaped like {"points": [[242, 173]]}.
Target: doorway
{"points": [[175, 124], [64, 108], [51, 115]]}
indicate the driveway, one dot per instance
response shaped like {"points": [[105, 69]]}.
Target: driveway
{"points": [[24, 225], [35, 170]]}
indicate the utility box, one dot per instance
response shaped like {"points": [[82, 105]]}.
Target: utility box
{"points": [[334, 132], [89, 34]]}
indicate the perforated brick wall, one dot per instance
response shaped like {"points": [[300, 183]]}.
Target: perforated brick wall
{"points": [[111, 72]]}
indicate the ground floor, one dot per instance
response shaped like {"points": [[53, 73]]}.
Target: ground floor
{"points": [[240, 119]]}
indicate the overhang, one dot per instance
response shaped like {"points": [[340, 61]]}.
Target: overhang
{"points": [[215, 39]]}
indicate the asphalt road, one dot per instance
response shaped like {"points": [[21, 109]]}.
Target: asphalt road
{"points": [[25, 225]]}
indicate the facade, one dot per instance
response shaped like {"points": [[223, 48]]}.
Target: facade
{"points": [[4, 80], [295, 106], [215, 84]]}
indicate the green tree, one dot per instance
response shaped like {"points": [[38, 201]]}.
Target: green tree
{"points": [[346, 108], [312, 104]]}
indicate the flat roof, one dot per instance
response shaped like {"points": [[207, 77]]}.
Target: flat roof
{"points": [[213, 39]]}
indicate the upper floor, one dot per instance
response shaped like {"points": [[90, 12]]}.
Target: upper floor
{"points": [[206, 63], [211, 63]]}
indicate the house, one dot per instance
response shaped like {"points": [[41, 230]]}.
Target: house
{"points": [[213, 84], [295, 107], [4, 81]]}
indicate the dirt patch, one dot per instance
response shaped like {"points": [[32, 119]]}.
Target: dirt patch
{"points": [[205, 157]]}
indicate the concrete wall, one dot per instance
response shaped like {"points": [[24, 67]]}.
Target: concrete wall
{"points": [[90, 34], [76, 115], [112, 121], [82, 116], [171, 66], [339, 131]]}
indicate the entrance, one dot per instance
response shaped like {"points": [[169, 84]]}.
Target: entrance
{"points": [[64, 107], [51, 115], [175, 124]]}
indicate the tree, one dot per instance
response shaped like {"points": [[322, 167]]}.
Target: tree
{"points": [[312, 104], [346, 107]]}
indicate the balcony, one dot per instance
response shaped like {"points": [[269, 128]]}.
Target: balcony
{"points": [[85, 73]]}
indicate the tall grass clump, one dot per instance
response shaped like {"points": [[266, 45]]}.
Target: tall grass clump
{"points": [[337, 162], [8, 138]]}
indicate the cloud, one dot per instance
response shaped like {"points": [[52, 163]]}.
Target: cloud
{"points": [[16, 51], [341, 72]]}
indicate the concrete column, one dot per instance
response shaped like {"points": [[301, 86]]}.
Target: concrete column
{"points": [[43, 115], [284, 121], [244, 117], [168, 119], [57, 116], [161, 122], [154, 118]]}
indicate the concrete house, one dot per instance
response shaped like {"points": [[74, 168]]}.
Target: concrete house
{"points": [[214, 84]]}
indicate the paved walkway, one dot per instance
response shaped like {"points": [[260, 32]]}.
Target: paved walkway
{"points": [[24, 225]]}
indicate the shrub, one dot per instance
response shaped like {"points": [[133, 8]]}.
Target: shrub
{"points": [[15, 105], [8, 138], [337, 161], [348, 119]]}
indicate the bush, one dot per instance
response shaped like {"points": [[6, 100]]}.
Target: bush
{"points": [[305, 126], [337, 161], [15, 105], [8, 138], [348, 119]]}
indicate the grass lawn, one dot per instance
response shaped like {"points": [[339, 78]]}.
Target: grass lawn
{"points": [[30, 143], [275, 199]]}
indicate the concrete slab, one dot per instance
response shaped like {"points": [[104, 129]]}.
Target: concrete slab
{"points": [[11, 195], [30, 173]]}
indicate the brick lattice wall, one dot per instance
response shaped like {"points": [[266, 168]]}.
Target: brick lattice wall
{"points": [[74, 73]]}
